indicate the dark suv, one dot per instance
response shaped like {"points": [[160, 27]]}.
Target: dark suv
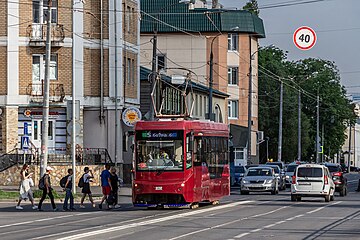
{"points": [[337, 174]]}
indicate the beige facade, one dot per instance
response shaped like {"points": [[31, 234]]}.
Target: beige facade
{"points": [[85, 51]]}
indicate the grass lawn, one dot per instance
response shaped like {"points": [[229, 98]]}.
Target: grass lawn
{"points": [[8, 195]]}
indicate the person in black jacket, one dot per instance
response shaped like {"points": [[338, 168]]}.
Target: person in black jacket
{"points": [[114, 179], [47, 190]]}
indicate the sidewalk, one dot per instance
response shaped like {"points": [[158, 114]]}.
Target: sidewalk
{"points": [[125, 191]]}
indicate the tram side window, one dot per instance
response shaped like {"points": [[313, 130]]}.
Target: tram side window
{"points": [[198, 151], [188, 151]]}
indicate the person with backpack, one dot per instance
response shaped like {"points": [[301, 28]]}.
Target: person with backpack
{"points": [[66, 183], [113, 197], [105, 184], [45, 186], [84, 183]]}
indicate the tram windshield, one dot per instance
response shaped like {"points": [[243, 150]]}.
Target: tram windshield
{"points": [[163, 154]]}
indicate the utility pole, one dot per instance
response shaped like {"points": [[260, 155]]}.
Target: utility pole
{"points": [[280, 120], [267, 148], [299, 126], [322, 142], [154, 72], [117, 117], [249, 106], [317, 129], [349, 158], [45, 118]]}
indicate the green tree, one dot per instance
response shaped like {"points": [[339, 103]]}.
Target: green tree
{"points": [[252, 6], [312, 77]]}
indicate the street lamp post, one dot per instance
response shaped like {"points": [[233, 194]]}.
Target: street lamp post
{"points": [[250, 101], [267, 148]]}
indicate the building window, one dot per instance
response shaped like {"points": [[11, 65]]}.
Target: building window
{"points": [[133, 71], [41, 9], [160, 62], [201, 106], [38, 67], [233, 42], [129, 73], [239, 153], [233, 75], [233, 109], [128, 19]]}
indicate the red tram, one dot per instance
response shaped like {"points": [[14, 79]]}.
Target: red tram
{"points": [[180, 163]]}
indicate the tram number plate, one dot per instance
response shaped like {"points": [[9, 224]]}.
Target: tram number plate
{"points": [[158, 188]]}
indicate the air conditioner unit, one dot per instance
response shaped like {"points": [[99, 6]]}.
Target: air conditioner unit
{"points": [[260, 136]]}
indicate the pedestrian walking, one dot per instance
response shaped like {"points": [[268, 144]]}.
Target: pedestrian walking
{"points": [[358, 188], [47, 190], [114, 179], [68, 190], [86, 178], [25, 187], [105, 184]]}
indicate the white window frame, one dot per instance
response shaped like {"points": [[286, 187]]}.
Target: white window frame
{"points": [[231, 71], [239, 151], [233, 42], [157, 62], [42, 9], [41, 67], [233, 104]]}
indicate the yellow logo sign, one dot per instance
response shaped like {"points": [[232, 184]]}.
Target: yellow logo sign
{"points": [[131, 115]]}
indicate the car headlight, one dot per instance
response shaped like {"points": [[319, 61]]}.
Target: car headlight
{"points": [[269, 181], [244, 181], [287, 177]]}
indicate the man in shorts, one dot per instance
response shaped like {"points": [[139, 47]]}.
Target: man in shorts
{"points": [[105, 184]]}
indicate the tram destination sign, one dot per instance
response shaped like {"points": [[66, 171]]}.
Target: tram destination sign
{"points": [[156, 135]]}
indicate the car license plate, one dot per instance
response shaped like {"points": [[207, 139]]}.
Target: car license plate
{"points": [[158, 188], [305, 183]]}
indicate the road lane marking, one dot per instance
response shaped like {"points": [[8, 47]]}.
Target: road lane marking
{"points": [[286, 220], [148, 222], [227, 223], [78, 230]]}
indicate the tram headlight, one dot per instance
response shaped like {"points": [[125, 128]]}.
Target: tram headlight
{"points": [[182, 185]]}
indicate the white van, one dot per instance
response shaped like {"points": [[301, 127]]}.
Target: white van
{"points": [[312, 180]]}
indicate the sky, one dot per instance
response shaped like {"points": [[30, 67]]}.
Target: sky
{"points": [[337, 26]]}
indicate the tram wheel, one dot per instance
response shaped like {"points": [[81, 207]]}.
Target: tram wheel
{"points": [[216, 202]]}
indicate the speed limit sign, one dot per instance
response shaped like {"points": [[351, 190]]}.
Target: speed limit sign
{"points": [[304, 38]]}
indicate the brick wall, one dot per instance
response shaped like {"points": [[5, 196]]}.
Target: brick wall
{"points": [[64, 67], [25, 67], [130, 85], [92, 19], [92, 72], [25, 12], [10, 128], [65, 16], [130, 21], [3, 70], [3, 19]]}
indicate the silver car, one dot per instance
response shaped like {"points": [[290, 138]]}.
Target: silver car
{"points": [[259, 179]]}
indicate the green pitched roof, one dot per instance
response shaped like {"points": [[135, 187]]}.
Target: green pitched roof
{"points": [[177, 16]]}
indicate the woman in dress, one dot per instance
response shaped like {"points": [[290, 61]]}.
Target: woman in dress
{"points": [[25, 187]]}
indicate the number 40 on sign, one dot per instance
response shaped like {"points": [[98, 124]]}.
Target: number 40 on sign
{"points": [[304, 38]]}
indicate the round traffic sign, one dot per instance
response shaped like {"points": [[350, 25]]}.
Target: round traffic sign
{"points": [[304, 38]]}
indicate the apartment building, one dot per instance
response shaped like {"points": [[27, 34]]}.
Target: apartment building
{"points": [[187, 33], [96, 45]]}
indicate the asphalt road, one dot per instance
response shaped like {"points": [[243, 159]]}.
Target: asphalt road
{"points": [[254, 216]]}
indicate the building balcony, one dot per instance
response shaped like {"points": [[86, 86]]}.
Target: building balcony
{"points": [[36, 92], [37, 35]]}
